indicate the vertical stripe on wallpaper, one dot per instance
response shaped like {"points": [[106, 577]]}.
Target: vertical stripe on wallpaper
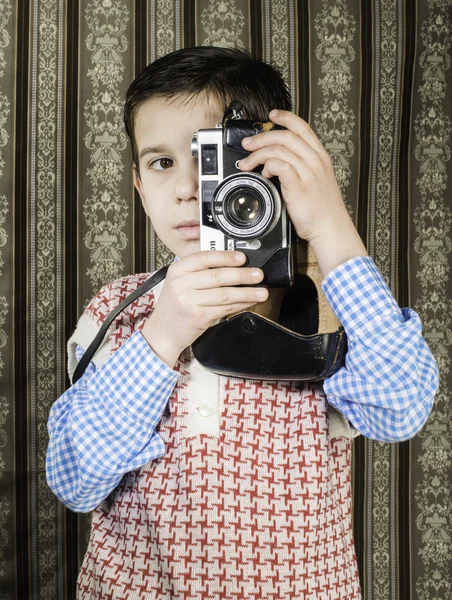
{"points": [[46, 328], [60, 357], [302, 43], [255, 26], [139, 217], [104, 227], [105, 194], [404, 506], [383, 213], [7, 49], [189, 17], [381, 557], [152, 55], [333, 101], [279, 41], [165, 37], [21, 304], [431, 289], [366, 47], [75, 524]]}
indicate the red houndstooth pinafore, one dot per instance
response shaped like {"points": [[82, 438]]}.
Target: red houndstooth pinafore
{"points": [[260, 510]]}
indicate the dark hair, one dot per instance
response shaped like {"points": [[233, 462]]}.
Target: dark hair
{"points": [[227, 73]]}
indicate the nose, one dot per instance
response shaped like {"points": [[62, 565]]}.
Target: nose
{"points": [[187, 183]]}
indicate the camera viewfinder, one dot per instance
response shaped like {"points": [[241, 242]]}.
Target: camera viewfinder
{"points": [[209, 159]]}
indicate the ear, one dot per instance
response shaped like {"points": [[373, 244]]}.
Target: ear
{"points": [[138, 185]]}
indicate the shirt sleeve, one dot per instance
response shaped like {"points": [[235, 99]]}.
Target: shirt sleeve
{"points": [[388, 383], [104, 425]]}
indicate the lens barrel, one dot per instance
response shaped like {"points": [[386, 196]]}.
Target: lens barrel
{"points": [[246, 206]]}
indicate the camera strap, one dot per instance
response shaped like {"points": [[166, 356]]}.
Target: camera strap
{"points": [[92, 348]]}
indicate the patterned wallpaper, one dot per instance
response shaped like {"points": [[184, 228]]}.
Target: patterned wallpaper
{"points": [[374, 79]]}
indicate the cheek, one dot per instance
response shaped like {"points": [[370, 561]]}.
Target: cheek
{"points": [[156, 200], [159, 215]]}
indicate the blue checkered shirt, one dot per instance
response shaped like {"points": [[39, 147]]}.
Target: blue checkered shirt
{"points": [[104, 426]]}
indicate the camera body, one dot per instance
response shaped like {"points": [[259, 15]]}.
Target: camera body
{"points": [[242, 210]]}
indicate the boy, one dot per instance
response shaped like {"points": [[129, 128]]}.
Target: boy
{"points": [[242, 488]]}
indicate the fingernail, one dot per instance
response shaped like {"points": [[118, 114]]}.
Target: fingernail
{"points": [[274, 113], [256, 274], [246, 140], [239, 257], [261, 294]]}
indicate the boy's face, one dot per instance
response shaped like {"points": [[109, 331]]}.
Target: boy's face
{"points": [[168, 181]]}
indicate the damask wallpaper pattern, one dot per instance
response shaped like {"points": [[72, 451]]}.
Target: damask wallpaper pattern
{"points": [[374, 79]]}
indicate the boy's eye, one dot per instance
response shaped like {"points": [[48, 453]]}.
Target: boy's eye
{"points": [[161, 164]]}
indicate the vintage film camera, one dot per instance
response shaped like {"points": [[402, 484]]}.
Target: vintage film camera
{"points": [[294, 335], [239, 210]]}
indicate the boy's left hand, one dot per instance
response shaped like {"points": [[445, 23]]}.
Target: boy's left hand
{"points": [[305, 171]]}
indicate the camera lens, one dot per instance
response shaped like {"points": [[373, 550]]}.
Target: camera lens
{"points": [[244, 206]]}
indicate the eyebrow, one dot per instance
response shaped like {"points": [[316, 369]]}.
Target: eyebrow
{"points": [[152, 150]]}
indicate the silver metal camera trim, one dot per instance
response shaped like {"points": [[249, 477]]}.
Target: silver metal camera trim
{"points": [[271, 197], [209, 239]]}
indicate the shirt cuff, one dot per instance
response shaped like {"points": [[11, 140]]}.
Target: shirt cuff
{"points": [[136, 379], [359, 295]]}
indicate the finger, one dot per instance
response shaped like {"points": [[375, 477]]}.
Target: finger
{"points": [[287, 175], [232, 309], [225, 296], [294, 123], [227, 276], [262, 156], [208, 259], [286, 139]]}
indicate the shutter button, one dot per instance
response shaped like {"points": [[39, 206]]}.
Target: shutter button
{"points": [[205, 410]]}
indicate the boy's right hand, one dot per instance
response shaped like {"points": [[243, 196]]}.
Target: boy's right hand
{"points": [[199, 290]]}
